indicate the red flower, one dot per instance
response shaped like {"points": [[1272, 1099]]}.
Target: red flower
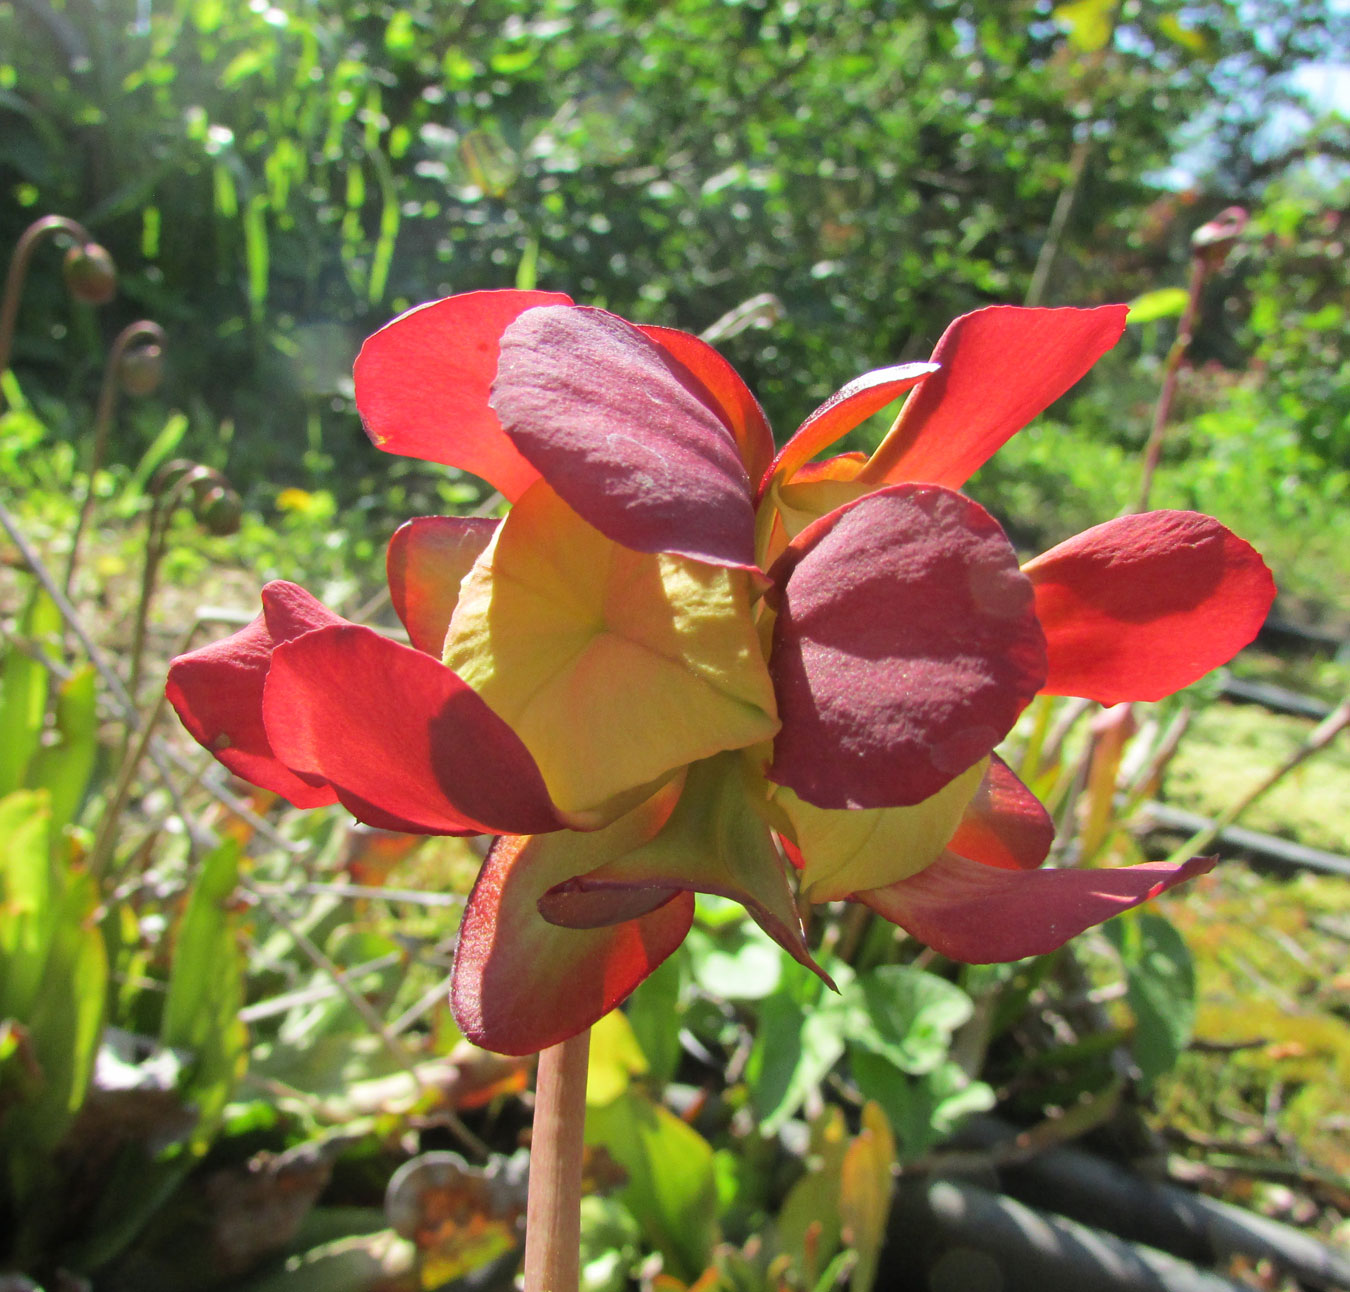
{"points": [[679, 650]]}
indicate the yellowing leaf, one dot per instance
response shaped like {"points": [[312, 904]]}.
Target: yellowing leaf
{"points": [[1088, 23], [865, 1193], [614, 667], [615, 1056], [850, 851]]}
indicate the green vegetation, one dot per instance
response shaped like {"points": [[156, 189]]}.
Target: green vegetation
{"points": [[223, 1024]]}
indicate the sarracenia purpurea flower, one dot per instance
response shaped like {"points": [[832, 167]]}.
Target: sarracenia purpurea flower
{"points": [[686, 663]]}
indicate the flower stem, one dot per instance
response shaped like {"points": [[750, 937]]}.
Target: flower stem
{"points": [[553, 1218]]}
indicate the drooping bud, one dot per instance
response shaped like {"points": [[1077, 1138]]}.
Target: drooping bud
{"points": [[220, 510], [1213, 241], [141, 369], [90, 273]]}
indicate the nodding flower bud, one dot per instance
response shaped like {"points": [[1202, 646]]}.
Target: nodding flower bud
{"points": [[90, 274], [170, 474], [1213, 241], [140, 370], [220, 510]]}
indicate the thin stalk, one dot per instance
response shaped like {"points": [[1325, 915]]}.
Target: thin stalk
{"points": [[1162, 412], [553, 1215], [103, 417], [1059, 217], [1318, 739], [18, 271]]}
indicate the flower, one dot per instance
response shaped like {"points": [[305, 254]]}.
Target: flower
{"points": [[682, 657]]}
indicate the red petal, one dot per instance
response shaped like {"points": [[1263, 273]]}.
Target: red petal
{"points": [[740, 409], [985, 915], [427, 560], [627, 436], [218, 692], [404, 742], [844, 410], [521, 983], [1000, 368], [905, 647], [1005, 824], [1144, 605], [422, 385]]}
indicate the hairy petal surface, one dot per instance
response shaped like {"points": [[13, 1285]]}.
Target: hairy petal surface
{"points": [[1000, 367], [217, 692], [904, 648], [844, 851], [522, 983], [404, 742], [626, 435], [1141, 606], [846, 409], [615, 667], [714, 842], [988, 915], [422, 385], [427, 560], [739, 408], [1005, 824]]}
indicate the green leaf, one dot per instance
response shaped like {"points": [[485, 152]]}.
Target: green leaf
{"points": [[161, 447], [1164, 303], [23, 691], [1187, 37], [615, 1058], [63, 768], [654, 1010], [671, 1187], [206, 991], [921, 1110], [795, 1047], [737, 964], [906, 1016], [1160, 989], [28, 895]]}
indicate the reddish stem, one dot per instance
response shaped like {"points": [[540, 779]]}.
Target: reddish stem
{"points": [[553, 1219]]}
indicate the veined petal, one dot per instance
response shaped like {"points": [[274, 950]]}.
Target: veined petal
{"points": [[987, 915], [846, 850], [422, 385], [714, 842], [1141, 606], [1005, 824], [625, 434], [739, 408], [1000, 367], [615, 667], [217, 691], [404, 742], [847, 408], [522, 983], [427, 560], [904, 648]]}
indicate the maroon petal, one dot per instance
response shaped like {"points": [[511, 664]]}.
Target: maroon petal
{"points": [[846, 409], [627, 436], [986, 915], [1141, 606], [218, 693], [739, 408], [427, 560], [1005, 824], [1000, 367], [906, 644], [422, 385], [404, 742], [521, 982]]}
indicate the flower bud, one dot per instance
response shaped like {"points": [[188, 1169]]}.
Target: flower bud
{"points": [[140, 370], [1213, 241], [220, 510], [90, 274]]}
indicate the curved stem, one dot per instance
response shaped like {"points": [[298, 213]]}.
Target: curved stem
{"points": [[18, 270], [1171, 372], [103, 416], [553, 1217]]}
